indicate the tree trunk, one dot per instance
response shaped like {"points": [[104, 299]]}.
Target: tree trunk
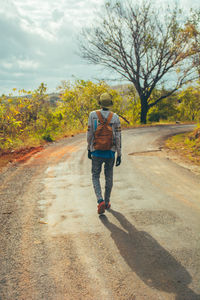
{"points": [[144, 111]]}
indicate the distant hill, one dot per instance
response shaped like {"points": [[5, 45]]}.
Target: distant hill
{"points": [[52, 98], [122, 88]]}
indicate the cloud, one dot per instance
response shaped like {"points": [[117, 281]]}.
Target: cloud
{"points": [[27, 65], [57, 15], [39, 41]]}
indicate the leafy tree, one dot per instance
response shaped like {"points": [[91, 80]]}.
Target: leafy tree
{"points": [[131, 103], [190, 103], [82, 97], [192, 26], [146, 47], [25, 115], [167, 109]]}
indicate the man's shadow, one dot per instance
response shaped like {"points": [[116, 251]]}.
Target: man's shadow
{"points": [[155, 266]]}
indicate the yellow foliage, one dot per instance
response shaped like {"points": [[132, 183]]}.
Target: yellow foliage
{"points": [[36, 118]]}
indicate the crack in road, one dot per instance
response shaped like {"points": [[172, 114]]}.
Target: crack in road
{"points": [[147, 152]]}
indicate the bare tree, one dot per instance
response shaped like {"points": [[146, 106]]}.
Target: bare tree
{"points": [[194, 22], [148, 47]]}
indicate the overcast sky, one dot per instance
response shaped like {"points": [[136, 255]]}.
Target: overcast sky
{"points": [[39, 42]]}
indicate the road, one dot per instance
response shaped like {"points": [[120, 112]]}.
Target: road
{"points": [[53, 244]]}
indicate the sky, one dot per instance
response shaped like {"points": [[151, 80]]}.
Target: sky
{"points": [[39, 42]]}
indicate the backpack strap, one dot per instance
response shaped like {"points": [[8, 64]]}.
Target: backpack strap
{"points": [[109, 118], [101, 118]]}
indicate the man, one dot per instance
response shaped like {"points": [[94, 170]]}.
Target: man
{"points": [[97, 122]]}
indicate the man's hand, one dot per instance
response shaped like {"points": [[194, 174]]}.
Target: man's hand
{"points": [[89, 154], [118, 161]]}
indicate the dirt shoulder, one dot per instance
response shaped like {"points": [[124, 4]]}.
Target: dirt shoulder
{"points": [[21, 155]]}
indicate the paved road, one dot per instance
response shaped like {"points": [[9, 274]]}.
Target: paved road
{"points": [[53, 245]]}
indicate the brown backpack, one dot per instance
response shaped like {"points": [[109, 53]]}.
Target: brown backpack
{"points": [[103, 136]]}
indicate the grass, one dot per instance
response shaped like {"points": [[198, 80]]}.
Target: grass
{"points": [[186, 145]]}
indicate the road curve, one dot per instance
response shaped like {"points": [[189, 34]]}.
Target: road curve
{"points": [[53, 244]]}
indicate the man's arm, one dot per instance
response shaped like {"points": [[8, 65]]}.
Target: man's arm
{"points": [[89, 132], [117, 128]]}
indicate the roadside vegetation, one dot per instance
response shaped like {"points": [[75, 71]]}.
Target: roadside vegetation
{"points": [[33, 118], [186, 145]]}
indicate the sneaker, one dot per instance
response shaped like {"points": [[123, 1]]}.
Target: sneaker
{"points": [[108, 205], [101, 207]]}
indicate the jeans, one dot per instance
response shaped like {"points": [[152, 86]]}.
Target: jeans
{"points": [[108, 172]]}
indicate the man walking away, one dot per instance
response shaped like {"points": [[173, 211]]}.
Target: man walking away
{"points": [[104, 139]]}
